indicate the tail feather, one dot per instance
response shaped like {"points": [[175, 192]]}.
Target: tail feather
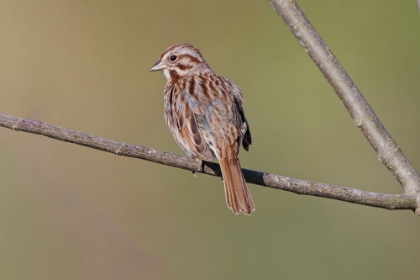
{"points": [[238, 197]]}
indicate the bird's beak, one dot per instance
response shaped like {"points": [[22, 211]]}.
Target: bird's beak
{"points": [[158, 66]]}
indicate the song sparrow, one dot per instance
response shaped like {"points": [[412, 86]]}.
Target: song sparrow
{"points": [[205, 115]]}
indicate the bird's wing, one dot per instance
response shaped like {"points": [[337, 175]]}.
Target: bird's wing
{"points": [[183, 123]]}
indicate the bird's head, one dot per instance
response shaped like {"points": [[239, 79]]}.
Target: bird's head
{"points": [[179, 60]]}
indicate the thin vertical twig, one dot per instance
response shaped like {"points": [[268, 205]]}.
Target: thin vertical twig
{"points": [[387, 150]]}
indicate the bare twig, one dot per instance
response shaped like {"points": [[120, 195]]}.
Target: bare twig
{"points": [[388, 152], [387, 201]]}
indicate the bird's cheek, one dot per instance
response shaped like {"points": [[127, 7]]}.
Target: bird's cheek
{"points": [[166, 73]]}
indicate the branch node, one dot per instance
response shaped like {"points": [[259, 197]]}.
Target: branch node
{"points": [[16, 125], [120, 150], [64, 134], [358, 121]]}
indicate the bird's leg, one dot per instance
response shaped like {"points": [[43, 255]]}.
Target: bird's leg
{"points": [[198, 160]]}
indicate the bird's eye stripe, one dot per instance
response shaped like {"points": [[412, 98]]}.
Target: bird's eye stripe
{"points": [[191, 58]]}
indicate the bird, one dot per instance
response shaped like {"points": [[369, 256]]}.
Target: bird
{"points": [[204, 113]]}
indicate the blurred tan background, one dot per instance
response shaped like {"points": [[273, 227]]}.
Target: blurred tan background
{"points": [[69, 212]]}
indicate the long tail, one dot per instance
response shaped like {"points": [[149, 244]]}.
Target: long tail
{"points": [[238, 197]]}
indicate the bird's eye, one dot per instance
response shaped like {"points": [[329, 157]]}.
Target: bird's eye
{"points": [[173, 57]]}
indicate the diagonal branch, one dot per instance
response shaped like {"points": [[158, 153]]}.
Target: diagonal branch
{"points": [[387, 201], [388, 152]]}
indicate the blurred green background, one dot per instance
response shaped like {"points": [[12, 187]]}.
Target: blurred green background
{"points": [[69, 212]]}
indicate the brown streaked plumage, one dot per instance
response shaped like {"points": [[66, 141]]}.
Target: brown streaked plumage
{"points": [[205, 115]]}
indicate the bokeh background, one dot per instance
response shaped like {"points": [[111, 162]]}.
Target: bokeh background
{"points": [[69, 212]]}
